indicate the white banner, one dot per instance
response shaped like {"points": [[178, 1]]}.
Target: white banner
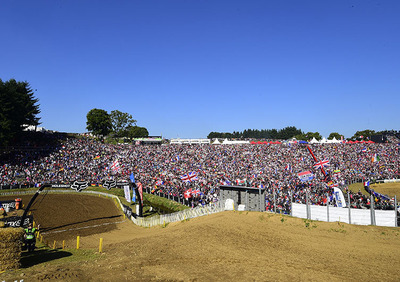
{"points": [[340, 202], [127, 194]]}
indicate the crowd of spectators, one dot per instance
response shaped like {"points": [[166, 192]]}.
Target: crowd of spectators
{"points": [[159, 168]]}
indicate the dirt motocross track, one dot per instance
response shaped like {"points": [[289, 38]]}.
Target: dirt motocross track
{"points": [[235, 246]]}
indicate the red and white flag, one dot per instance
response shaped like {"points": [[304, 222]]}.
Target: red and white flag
{"points": [[115, 166], [140, 189], [320, 164], [188, 194], [189, 177], [196, 192]]}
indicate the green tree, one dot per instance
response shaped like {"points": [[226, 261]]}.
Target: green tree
{"points": [[289, 132], [335, 135], [121, 122], [18, 109], [98, 122], [363, 135], [308, 136], [137, 132]]}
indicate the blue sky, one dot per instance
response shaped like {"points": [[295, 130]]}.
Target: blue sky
{"points": [[185, 68]]}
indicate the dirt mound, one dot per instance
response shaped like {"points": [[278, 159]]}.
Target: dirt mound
{"points": [[238, 246], [66, 216]]}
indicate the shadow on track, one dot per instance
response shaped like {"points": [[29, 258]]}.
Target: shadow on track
{"points": [[40, 256]]}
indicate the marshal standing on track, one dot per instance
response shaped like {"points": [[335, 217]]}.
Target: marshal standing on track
{"points": [[30, 237]]}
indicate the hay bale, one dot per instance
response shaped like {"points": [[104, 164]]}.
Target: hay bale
{"points": [[10, 248]]}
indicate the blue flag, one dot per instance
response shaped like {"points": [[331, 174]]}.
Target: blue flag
{"points": [[132, 178], [133, 195]]}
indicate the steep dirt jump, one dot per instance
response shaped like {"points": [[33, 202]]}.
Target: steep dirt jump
{"points": [[227, 246]]}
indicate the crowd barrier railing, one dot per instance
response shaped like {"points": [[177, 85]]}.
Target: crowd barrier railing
{"points": [[177, 216]]}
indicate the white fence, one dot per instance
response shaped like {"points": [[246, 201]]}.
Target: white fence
{"points": [[177, 216], [347, 215]]}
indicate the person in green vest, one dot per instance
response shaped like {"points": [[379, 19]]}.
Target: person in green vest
{"points": [[30, 237]]}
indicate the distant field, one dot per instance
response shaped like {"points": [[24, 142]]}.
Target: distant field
{"points": [[390, 189]]}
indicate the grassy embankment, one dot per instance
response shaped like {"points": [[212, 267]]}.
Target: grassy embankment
{"points": [[390, 189]]}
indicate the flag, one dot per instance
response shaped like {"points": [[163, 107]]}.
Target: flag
{"points": [[132, 178], [96, 157], [195, 192], [127, 193], [188, 194], [159, 182], [376, 158], [331, 184], [321, 164], [288, 167], [189, 177], [366, 183], [305, 175], [133, 195], [241, 181], [340, 202], [140, 189], [226, 182], [115, 166], [364, 149]]}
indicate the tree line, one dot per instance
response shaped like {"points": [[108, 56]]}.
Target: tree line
{"points": [[293, 132], [115, 124], [18, 109], [285, 133]]}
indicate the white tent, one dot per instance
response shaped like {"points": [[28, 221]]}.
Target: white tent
{"points": [[313, 141], [235, 142], [216, 142], [334, 140]]}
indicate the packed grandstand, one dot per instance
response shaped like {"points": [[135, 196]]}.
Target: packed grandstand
{"points": [[174, 169]]}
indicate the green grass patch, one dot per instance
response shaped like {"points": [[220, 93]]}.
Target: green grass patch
{"points": [[355, 187], [390, 189], [168, 206], [44, 254]]}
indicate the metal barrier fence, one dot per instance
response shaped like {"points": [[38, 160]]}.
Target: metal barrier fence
{"points": [[330, 213], [177, 216]]}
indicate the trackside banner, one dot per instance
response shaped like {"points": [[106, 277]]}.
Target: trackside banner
{"points": [[15, 221], [127, 211], [339, 197], [80, 185], [7, 204]]}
